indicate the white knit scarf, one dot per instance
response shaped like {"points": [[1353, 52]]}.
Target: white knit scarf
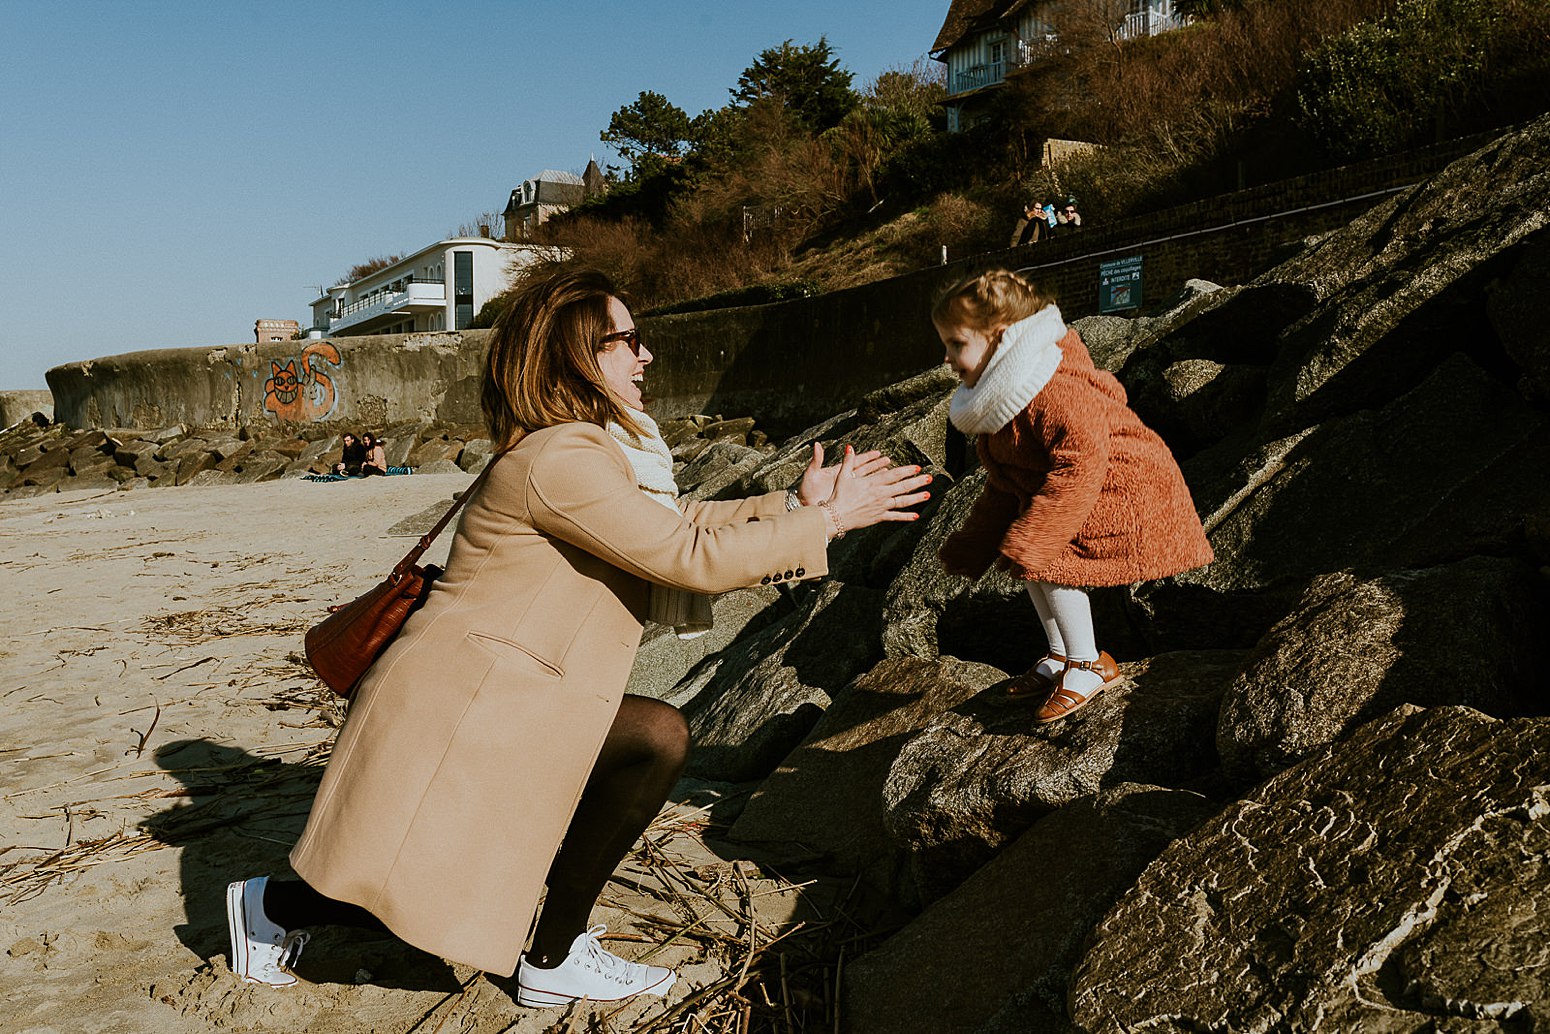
{"points": [[687, 612], [1017, 371]]}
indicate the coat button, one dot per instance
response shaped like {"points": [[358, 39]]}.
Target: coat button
{"points": [[788, 574], [801, 571], [765, 580]]}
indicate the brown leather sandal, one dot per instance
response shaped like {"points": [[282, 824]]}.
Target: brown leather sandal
{"points": [[1064, 702], [1031, 683]]}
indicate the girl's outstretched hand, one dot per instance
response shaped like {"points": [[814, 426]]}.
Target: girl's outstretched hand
{"points": [[868, 493], [818, 481]]}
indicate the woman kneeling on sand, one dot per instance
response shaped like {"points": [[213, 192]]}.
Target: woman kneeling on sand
{"points": [[492, 751]]}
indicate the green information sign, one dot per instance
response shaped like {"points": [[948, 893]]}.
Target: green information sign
{"points": [[1119, 284]]}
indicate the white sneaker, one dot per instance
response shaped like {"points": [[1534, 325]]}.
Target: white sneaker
{"points": [[261, 952], [590, 972]]}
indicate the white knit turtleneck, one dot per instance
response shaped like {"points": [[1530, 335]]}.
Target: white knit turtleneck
{"points": [[1018, 369]]}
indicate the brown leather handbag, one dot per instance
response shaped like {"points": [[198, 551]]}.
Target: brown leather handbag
{"points": [[344, 645]]}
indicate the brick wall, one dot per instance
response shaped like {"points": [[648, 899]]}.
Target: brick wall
{"points": [[1228, 239]]}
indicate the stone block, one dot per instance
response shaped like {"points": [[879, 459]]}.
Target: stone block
{"points": [[1394, 881], [979, 775]]}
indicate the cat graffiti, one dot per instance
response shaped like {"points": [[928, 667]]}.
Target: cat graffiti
{"points": [[307, 393]]}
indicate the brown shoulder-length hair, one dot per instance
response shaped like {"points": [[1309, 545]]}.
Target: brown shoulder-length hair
{"points": [[996, 296], [541, 368]]}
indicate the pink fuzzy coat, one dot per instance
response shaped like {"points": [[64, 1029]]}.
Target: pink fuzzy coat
{"points": [[1079, 491]]}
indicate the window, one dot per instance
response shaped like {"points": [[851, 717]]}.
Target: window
{"points": [[463, 288]]}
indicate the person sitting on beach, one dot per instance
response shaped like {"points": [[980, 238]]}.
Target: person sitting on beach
{"points": [[353, 458], [376, 455], [492, 750], [1078, 491]]}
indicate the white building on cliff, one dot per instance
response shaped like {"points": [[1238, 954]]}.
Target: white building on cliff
{"points": [[437, 288]]}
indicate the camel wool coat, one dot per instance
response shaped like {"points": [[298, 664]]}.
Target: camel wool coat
{"points": [[1078, 491], [467, 745]]}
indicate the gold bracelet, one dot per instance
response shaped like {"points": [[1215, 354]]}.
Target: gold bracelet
{"points": [[839, 526]]}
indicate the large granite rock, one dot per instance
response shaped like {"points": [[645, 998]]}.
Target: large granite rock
{"points": [[751, 702], [1516, 311], [1436, 475], [980, 774], [1401, 287], [663, 659], [1470, 632], [996, 954], [908, 423], [930, 612], [1395, 881], [797, 817], [1113, 340]]}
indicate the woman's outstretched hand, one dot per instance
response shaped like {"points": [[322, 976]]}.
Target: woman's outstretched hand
{"points": [[817, 483], [869, 491]]}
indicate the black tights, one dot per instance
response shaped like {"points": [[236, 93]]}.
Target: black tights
{"points": [[641, 759]]}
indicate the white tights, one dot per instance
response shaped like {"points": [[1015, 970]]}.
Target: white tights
{"points": [[1067, 618]]}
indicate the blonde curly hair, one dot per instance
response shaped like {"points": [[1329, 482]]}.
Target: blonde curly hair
{"points": [[996, 297]]}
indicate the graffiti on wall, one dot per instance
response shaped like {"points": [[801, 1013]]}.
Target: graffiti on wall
{"points": [[299, 388]]}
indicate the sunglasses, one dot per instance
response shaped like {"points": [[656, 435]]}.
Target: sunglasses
{"points": [[630, 337]]}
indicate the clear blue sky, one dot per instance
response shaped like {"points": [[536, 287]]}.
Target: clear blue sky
{"points": [[171, 171]]}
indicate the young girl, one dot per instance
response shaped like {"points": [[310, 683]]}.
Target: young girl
{"points": [[1078, 491]]}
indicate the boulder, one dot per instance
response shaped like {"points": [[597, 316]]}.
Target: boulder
{"points": [[398, 448], [1193, 403], [928, 612], [753, 701], [1394, 881], [260, 466], [432, 451], [796, 817], [979, 775], [996, 954], [443, 466], [230, 452], [1354, 648], [213, 476], [131, 452], [25, 491], [721, 464], [663, 659], [1434, 476], [476, 453], [1112, 340], [1400, 287], [290, 448], [57, 458], [1515, 308], [735, 430], [192, 463]]}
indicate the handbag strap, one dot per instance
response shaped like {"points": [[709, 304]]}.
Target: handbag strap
{"points": [[413, 556]]}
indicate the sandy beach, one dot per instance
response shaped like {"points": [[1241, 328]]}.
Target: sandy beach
{"points": [[162, 735]]}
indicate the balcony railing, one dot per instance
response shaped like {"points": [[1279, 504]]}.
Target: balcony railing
{"points": [[976, 76], [417, 294], [1149, 21]]}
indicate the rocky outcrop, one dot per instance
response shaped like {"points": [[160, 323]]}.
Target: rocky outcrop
{"points": [[797, 818], [1000, 948], [37, 458], [1469, 633], [1391, 882], [978, 775]]}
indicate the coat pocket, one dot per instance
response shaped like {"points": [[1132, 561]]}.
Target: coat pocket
{"points": [[517, 655]]}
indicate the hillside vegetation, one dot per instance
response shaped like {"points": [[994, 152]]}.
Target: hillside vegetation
{"points": [[803, 183]]}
